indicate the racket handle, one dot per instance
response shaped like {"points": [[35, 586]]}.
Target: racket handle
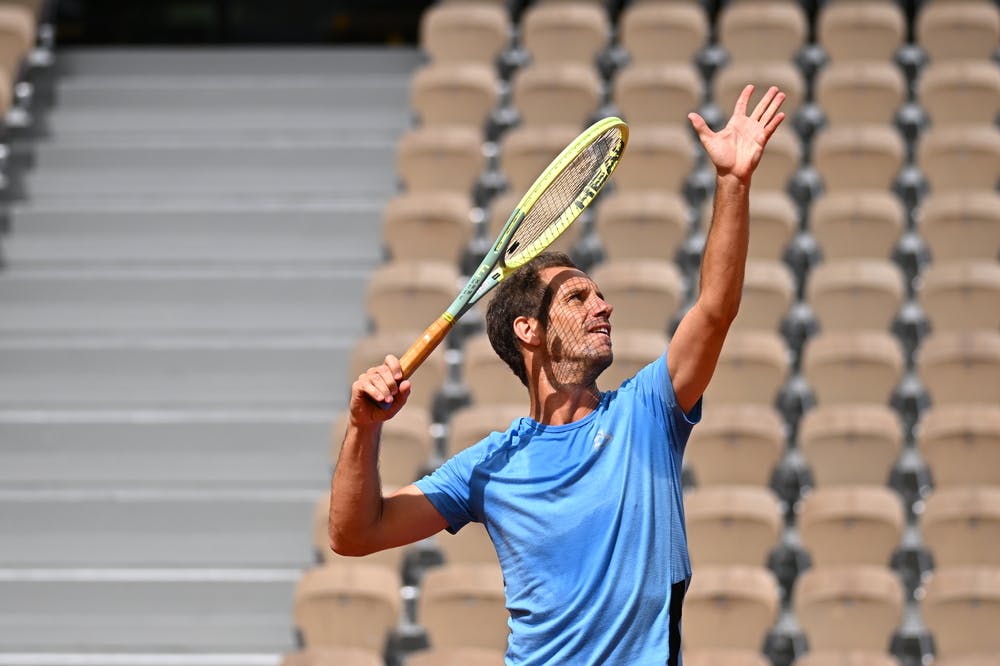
{"points": [[425, 345]]}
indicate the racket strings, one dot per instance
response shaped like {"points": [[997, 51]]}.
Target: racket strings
{"points": [[565, 191]]}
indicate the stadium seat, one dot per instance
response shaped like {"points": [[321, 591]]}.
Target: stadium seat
{"points": [[853, 157], [655, 93], [462, 605], [471, 545], [960, 157], [458, 656], [848, 608], [333, 657], [347, 604], [958, 30], [659, 157], [17, 37], [856, 294], [960, 92], [850, 444], [961, 444], [427, 225], [641, 224], [391, 558], [735, 444], [961, 367], [645, 293], [663, 31], [448, 158], [406, 294], [710, 657], [860, 31], [634, 350], [405, 449], [857, 224], [768, 291], [371, 350], [752, 368], [773, 216], [576, 32], [844, 367], [526, 151], [559, 93], [961, 526], [763, 31], [851, 525], [961, 225], [488, 379], [858, 93], [847, 658], [961, 295], [981, 659], [465, 32], [962, 610], [470, 424], [455, 93], [742, 599], [731, 525]]}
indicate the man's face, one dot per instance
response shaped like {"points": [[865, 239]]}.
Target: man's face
{"points": [[577, 333]]}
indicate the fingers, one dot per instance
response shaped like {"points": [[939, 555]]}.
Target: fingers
{"points": [[743, 100], [382, 382], [773, 124], [765, 103]]}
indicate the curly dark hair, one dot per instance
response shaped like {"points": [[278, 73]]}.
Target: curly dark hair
{"points": [[520, 295]]}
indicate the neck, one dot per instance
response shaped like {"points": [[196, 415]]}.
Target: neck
{"points": [[567, 403]]}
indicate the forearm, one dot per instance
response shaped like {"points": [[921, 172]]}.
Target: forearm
{"points": [[724, 260], [356, 492]]}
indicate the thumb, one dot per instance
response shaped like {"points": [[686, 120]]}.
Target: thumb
{"points": [[699, 124]]}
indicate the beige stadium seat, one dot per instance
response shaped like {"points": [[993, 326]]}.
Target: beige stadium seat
{"points": [[773, 216], [347, 604], [752, 367], [455, 93], [645, 293], [731, 79], [960, 92], [641, 224], [658, 93], [744, 600], [856, 294], [961, 367], [960, 157], [763, 31], [662, 31], [731, 525], [858, 93], [857, 224], [391, 558], [961, 526], [710, 657], [371, 350], [962, 610], [470, 424], [849, 525], [969, 660], [865, 31], [471, 545], [778, 165], [768, 291], [462, 605], [333, 656], [456, 656], [847, 658], [962, 295], [848, 608], [565, 32], [427, 225], [17, 37], [855, 157], [850, 444], [446, 158], [961, 225], [403, 295], [489, 380], [406, 445], [958, 30], [526, 151], [499, 212], [845, 367], [735, 444], [659, 157], [634, 350], [556, 93], [465, 32], [961, 444]]}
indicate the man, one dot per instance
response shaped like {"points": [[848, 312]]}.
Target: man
{"points": [[582, 499]]}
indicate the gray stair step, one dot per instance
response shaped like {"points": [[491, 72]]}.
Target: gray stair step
{"points": [[173, 373], [149, 610], [139, 659], [153, 529], [166, 450], [257, 303]]}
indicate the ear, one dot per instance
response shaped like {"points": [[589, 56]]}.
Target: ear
{"points": [[526, 330]]}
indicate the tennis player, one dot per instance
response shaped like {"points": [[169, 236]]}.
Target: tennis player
{"points": [[581, 497]]}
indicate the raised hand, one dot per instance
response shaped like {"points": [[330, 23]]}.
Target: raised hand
{"points": [[378, 393], [736, 149]]}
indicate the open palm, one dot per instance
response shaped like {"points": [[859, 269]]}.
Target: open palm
{"points": [[736, 149]]}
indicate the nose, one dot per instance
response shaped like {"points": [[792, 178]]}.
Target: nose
{"points": [[602, 307]]}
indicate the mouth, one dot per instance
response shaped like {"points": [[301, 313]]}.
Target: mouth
{"points": [[601, 329]]}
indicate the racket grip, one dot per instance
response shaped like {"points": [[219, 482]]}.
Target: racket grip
{"points": [[425, 345]]}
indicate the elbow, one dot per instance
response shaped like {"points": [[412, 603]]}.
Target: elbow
{"points": [[346, 547], [720, 313]]}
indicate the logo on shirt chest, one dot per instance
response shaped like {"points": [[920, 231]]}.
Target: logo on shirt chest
{"points": [[601, 438]]}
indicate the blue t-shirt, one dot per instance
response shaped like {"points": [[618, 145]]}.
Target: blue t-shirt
{"points": [[588, 523]]}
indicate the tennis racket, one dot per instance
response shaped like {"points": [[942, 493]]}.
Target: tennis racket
{"points": [[557, 197]]}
